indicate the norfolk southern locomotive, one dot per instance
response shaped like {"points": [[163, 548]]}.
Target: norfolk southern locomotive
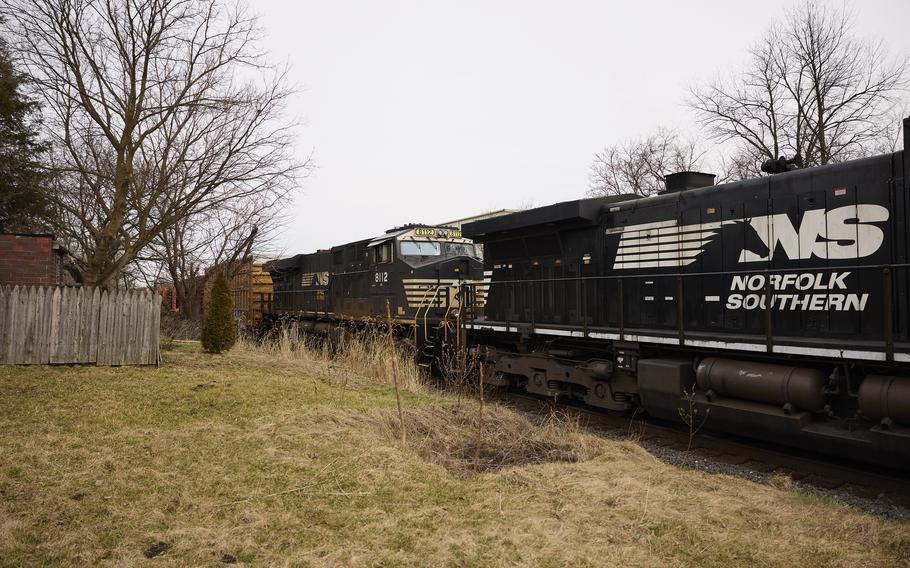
{"points": [[412, 272], [778, 305]]}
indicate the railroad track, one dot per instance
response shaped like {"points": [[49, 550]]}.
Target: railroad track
{"points": [[859, 480]]}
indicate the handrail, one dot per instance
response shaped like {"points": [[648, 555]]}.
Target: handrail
{"points": [[445, 318], [888, 273], [688, 274], [427, 312], [419, 306], [458, 293]]}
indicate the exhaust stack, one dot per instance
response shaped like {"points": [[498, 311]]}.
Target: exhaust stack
{"points": [[681, 181]]}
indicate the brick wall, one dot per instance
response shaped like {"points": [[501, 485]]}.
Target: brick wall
{"points": [[28, 259]]}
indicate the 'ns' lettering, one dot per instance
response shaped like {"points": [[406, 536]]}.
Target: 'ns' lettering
{"points": [[845, 232]]}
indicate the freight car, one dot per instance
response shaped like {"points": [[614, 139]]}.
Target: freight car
{"points": [[779, 307], [415, 272], [251, 290]]}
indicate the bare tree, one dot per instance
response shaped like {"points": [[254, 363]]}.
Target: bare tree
{"points": [[227, 237], [811, 89], [639, 166], [750, 108], [844, 87], [158, 110]]}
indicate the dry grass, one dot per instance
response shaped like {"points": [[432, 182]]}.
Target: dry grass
{"points": [[293, 460], [368, 354], [446, 434]]}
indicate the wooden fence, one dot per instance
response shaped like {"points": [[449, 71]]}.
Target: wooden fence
{"points": [[61, 325]]}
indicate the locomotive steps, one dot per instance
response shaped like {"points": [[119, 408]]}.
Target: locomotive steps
{"points": [[289, 458]]}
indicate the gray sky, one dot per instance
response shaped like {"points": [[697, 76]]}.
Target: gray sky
{"points": [[420, 111]]}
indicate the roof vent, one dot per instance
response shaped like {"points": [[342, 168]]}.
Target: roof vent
{"points": [[682, 181], [406, 226]]}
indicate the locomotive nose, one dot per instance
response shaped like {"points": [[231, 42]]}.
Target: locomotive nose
{"points": [[457, 268], [462, 270]]}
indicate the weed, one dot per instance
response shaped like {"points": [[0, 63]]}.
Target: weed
{"points": [[690, 414], [781, 481]]}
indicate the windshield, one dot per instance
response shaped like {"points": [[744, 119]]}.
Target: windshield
{"points": [[436, 248], [460, 249], [420, 248]]}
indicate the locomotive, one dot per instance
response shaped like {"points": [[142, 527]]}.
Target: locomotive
{"points": [[775, 308], [411, 274]]}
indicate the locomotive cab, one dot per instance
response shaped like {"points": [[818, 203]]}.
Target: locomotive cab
{"points": [[420, 270]]}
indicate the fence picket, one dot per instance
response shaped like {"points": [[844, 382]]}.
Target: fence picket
{"points": [[9, 338], [36, 297], [6, 293], [54, 332], [101, 358], [155, 330], [30, 329], [122, 335], [91, 346], [40, 352], [4, 325], [113, 320], [142, 323], [58, 340], [133, 339], [76, 337], [75, 322], [23, 313]]}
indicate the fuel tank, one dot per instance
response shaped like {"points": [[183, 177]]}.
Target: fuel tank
{"points": [[763, 382], [883, 396]]}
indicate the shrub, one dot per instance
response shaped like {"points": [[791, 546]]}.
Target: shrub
{"points": [[175, 327], [218, 332]]}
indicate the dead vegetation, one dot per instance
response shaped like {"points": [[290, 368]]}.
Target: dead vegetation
{"points": [[452, 434], [446, 435], [289, 457], [690, 415], [460, 370], [366, 356], [176, 328]]}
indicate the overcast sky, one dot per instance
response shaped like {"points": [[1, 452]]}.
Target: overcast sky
{"points": [[419, 111]]}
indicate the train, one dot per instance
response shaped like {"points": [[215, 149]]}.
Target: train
{"points": [[410, 276], [775, 308]]}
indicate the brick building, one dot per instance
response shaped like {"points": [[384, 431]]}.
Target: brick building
{"points": [[33, 259]]}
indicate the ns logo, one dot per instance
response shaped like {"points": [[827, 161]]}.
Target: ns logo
{"points": [[842, 233]]}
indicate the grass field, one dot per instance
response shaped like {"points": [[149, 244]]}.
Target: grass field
{"points": [[256, 458]]}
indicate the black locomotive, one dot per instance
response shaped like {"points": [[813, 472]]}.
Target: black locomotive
{"points": [[414, 273], [779, 305]]}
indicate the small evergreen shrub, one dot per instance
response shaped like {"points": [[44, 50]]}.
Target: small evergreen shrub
{"points": [[218, 332]]}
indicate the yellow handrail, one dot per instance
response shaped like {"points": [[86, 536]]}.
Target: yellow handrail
{"points": [[445, 319], [461, 303], [427, 312], [419, 306]]}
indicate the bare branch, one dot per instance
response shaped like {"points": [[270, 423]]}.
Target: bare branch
{"points": [[639, 166], [161, 112], [811, 89]]}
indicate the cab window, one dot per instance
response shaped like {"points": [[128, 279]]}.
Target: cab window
{"points": [[460, 249], [382, 253], [420, 248]]}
